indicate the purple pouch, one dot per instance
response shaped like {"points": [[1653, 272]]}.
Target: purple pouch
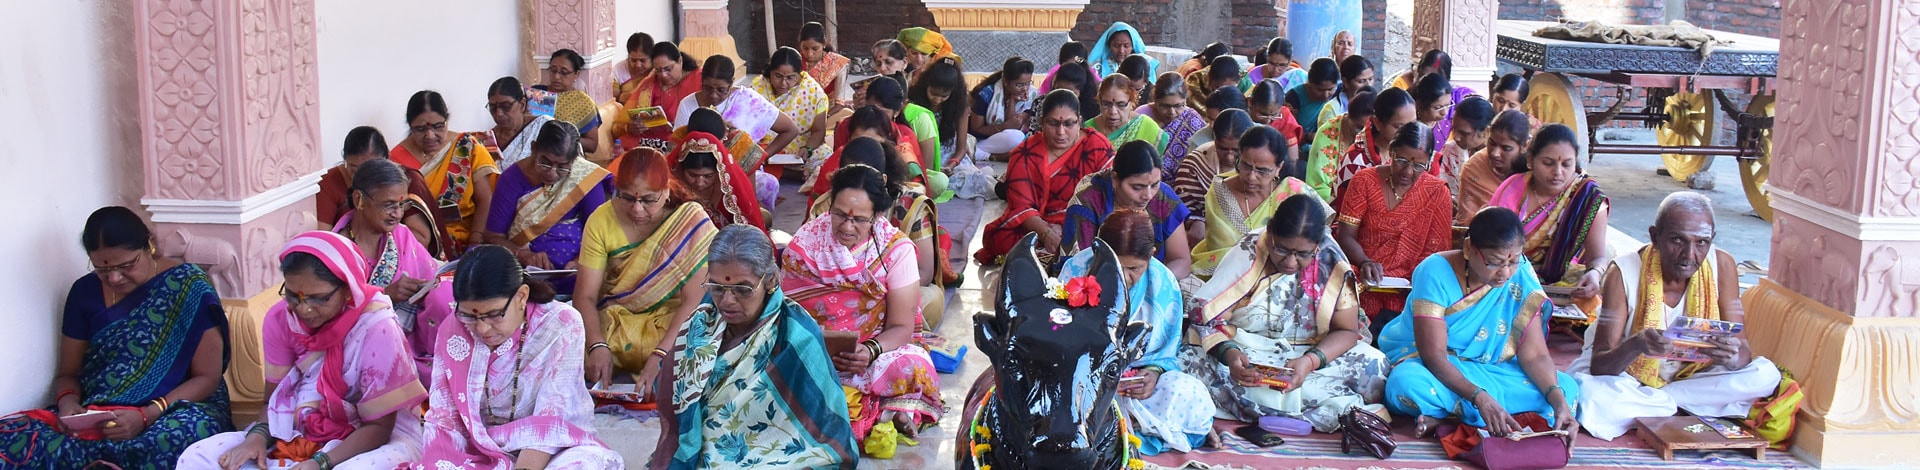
{"points": [[1285, 426]]}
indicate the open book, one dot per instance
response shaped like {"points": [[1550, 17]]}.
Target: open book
{"points": [[1691, 336], [652, 116]]}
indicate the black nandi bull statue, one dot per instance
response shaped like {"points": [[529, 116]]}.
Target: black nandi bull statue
{"points": [[1048, 401]]}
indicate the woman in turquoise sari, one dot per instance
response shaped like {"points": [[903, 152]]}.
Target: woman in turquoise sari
{"points": [[144, 339], [1120, 40], [1473, 345]]}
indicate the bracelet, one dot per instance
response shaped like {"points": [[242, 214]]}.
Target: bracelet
{"points": [[602, 344], [143, 414], [1550, 392], [326, 462], [1476, 392], [873, 347], [1321, 356]]}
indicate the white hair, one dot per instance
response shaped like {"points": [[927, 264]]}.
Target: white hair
{"points": [[1685, 201], [744, 244]]}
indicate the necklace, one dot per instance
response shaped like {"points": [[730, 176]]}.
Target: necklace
{"points": [[486, 397]]}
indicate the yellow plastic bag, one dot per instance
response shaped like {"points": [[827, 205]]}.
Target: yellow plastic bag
{"points": [[883, 440]]}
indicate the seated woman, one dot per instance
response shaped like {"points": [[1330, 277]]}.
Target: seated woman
{"points": [[1202, 167], [664, 89], [1356, 74], [1333, 140], [333, 338], [458, 168], [714, 181], [1132, 183], [134, 307], [1308, 99], [1432, 61], [1205, 57], [725, 401], [1042, 176], [1223, 71], [1287, 298], [638, 263], [886, 97], [1002, 107], [478, 415], [912, 212], [1508, 93], [740, 107], [1071, 52], [365, 144], [1139, 76], [924, 48], [741, 148], [565, 68], [1484, 171], [890, 61], [1246, 198], [856, 273], [821, 63], [1170, 407], [1275, 62], [1218, 101], [1392, 217], [636, 68], [1566, 222], [1267, 105], [397, 263], [1456, 345], [1433, 104], [1178, 122], [544, 202], [1392, 109], [1117, 119], [1344, 46], [937, 111], [1119, 41], [800, 99], [514, 124]]}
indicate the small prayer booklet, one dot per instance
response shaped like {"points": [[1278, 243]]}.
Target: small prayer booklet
{"points": [[541, 102], [652, 116], [1727, 428], [1691, 335]]}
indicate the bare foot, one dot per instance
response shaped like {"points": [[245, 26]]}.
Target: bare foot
{"points": [[904, 423], [1213, 439], [1424, 426]]}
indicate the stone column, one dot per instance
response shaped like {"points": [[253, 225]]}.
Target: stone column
{"points": [[704, 25], [1841, 309], [229, 113], [587, 27], [986, 32], [1463, 28]]}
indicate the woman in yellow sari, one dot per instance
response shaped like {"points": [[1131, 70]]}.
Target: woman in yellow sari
{"points": [[1267, 173], [638, 263], [457, 166], [802, 99]]}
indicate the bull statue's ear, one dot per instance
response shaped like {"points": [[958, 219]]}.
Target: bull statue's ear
{"points": [[1130, 340], [1105, 269], [990, 335], [1021, 278]]}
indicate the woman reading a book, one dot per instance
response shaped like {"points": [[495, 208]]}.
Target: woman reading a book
{"points": [[544, 202], [514, 127], [1472, 344], [365, 144], [710, 177], [740, 107], [399, 264], [640, 268], [856, 273], [654, 102], [506, 387], [134, 307], [1285, 300], [345, 393], [724, 396], [459, 169], [1392, 217], [800, 99], [1564, 213]]}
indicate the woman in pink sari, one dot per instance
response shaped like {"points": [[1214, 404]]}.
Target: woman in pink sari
{"points": [[856, 273], [396, 262], [333, 338], [506, 377]]}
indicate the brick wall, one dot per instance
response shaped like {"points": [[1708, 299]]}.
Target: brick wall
{"points": [[1755, 17], [861, 23], [1373, 38], [1248, 23]]}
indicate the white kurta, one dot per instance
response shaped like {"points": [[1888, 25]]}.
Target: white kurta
{"points": [[1609, 404]]}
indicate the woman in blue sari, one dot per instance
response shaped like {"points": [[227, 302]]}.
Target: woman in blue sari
{"points": [[1170, 408], [1120, 40], [1473, 345], [144, 339], [1133, 181]]}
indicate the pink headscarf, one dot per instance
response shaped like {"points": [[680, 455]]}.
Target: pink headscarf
{"points": [[344, 261]]}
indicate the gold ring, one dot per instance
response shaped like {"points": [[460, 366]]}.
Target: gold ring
{"points": [[113, 424]]}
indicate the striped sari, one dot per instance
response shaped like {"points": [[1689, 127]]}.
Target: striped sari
{"points": [[644, 278]]}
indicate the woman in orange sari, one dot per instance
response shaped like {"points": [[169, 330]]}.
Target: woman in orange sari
{"points": [[458, 168], [635, 70], [822, 63], [1042, 174], [1392, 217], [665, 89]]}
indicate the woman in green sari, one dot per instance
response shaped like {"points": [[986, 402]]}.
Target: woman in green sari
{"points": [[143, 339], [1119, 118], [1267, 173]]}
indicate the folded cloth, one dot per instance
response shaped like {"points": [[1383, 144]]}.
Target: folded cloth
{"points": [[1674, 34]]}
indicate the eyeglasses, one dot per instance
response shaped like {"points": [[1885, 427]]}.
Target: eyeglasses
{"points": [[739, 291], [841, 218], [1261, 171], [435, 127], [496, 108], [1417, 167], [1115, 105], [491, 318], [622, 195], [558, 169], [790, 77], [296, 299], [392, 207], [118, 268]]}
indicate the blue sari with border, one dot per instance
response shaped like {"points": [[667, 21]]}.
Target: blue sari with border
{"points": [[1481, 344], [138, 349]]}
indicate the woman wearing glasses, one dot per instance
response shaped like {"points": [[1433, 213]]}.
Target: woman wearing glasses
{"points": [[856, 273], [1118, 119], [1393, 216], [506, 388], [749, 380], [134, 307], [457, 165], [640, 270], [333, 338], [514, 127], [397, 262], [1286, 298], [544, 201], [1267, 174]]}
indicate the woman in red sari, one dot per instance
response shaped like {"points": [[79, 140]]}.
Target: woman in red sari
{"points": [[1042, 174], [711, 178], [1392, 217], [665, 88]]}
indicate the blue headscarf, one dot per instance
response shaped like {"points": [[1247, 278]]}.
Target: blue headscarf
{"points": [[1104, 65]]}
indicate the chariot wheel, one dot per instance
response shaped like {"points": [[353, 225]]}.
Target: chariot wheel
{"points": [[1551, 99], [1753, 172], [1693, 119]]}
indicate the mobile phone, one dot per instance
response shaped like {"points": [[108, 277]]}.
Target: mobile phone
{"points": [[88, 420]]}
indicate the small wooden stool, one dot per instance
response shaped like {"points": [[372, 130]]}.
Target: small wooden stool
{"points": [[1669, 433]]}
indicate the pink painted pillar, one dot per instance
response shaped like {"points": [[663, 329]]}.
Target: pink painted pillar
{"points": [[229, 112], [587, 27], [1463, 28], [704, 24], [1842, 307]]}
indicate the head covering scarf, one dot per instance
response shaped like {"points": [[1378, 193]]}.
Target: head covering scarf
{"points": [[344, 261], [737, 202], [927, 42], [1104, 65]]}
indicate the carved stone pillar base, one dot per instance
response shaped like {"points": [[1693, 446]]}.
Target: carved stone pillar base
{"points": [[705, 25], [1477, 78], [246, 381], [1858, 374]]}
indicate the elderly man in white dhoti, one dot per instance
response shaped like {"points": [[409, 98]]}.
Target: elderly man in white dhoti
{"points": [[1680, 273]]}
